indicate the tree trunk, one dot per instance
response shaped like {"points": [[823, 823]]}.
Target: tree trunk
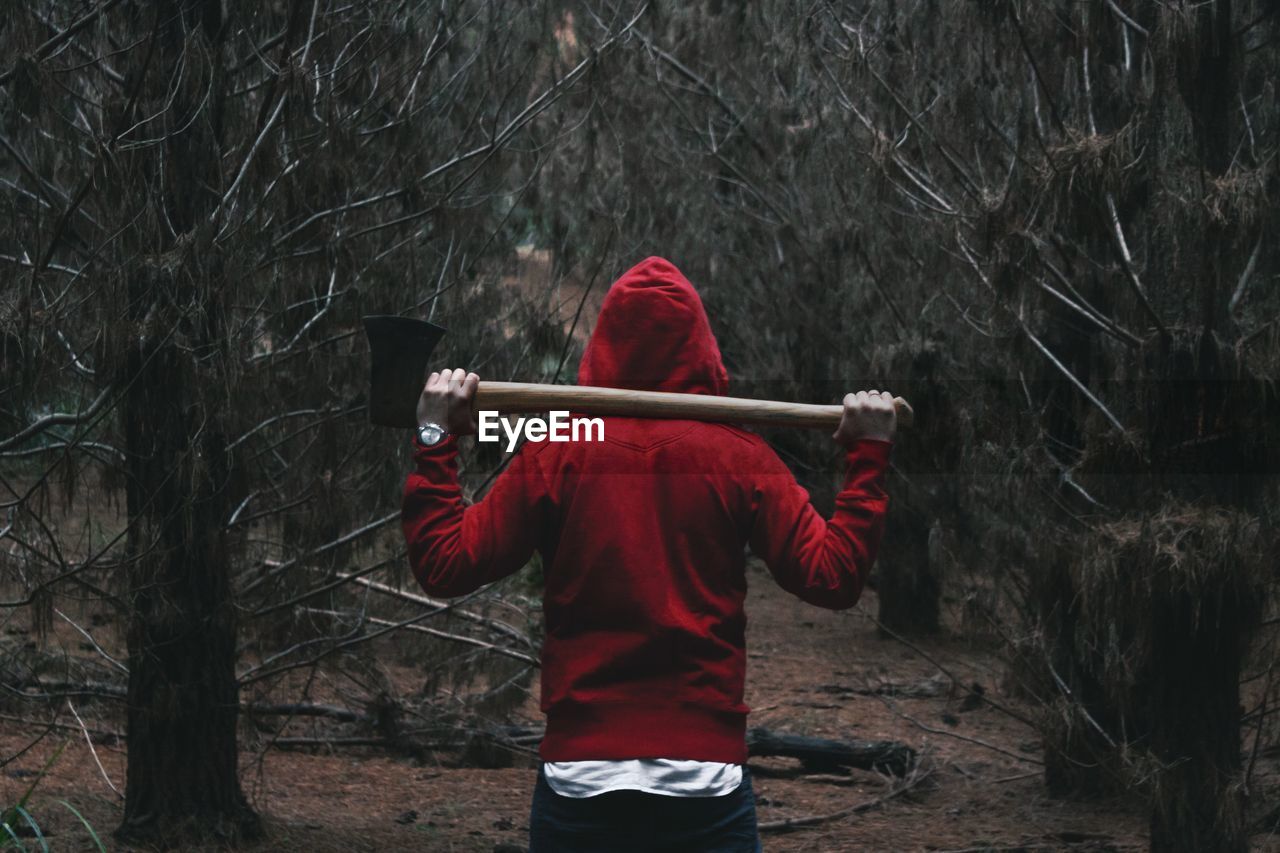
{"points": [[1195, 698], [182, 778], [1195, 701], [183, 781], [908, 586], [1078, 760]]}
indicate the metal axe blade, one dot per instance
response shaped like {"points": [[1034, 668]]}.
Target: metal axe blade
{"points": [[399, 349]]}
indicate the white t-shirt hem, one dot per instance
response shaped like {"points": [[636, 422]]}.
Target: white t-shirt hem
{"points": [[663, 776]]}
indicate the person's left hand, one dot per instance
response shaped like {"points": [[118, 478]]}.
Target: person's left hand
{"points": [[447, 399]]}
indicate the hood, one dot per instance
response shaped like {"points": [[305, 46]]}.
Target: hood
{"points": [[653, 335]]}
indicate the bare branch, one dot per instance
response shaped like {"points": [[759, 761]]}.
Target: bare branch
{"points": [[57, 419]]}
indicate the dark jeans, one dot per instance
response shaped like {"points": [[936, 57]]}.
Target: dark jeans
{"points": [[625, 821]]}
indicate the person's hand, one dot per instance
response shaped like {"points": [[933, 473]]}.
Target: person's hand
{"points": [[447, 400], [867, 414]]}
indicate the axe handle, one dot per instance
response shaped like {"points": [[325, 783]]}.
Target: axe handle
{"points": [[523, 397]]}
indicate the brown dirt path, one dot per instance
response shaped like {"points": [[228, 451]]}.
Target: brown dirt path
{"points": [[803, 663]]}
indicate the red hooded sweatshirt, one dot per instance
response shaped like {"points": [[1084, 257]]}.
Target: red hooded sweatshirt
{"points": [[642, 538]]}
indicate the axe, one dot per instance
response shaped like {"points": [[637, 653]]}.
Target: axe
{"points": [[399, 349]]}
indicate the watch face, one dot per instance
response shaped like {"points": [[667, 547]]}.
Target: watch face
{"points": [[430, 434]]}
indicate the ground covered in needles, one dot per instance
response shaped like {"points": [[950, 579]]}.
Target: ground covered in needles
{"points": [[811, 672]]}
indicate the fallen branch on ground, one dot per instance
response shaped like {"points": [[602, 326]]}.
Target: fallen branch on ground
{"points": [[924, 688], [794, 823], [956, 735], [287, 742], [305, 709], [816, 755], [824, 755]]}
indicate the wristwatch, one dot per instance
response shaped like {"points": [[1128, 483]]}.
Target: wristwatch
{"points": [[431, 434]]}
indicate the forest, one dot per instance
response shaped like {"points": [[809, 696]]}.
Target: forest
{"points": [[1042, 222]]}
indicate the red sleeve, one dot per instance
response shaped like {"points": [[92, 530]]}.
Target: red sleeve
{"points": [[454, 549], [823, 562]]}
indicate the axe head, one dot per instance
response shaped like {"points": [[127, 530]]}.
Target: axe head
{"points": [[399, 348]]}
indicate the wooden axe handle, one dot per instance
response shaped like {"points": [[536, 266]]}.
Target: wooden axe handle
{"points": [[524, 397]]}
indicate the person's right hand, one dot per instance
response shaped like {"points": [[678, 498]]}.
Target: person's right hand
{"points": [[447, 399], [867, 414]]}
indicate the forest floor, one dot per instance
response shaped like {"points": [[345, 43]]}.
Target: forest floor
{"points": [[984, 789]]}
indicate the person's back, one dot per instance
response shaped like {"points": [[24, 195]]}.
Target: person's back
{"points": [[643, 539]]}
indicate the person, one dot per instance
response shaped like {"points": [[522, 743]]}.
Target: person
{"points": [[642, 537]]}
